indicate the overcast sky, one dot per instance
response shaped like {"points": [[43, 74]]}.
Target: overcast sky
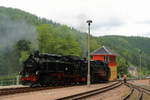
{"points": [[110, 17]]}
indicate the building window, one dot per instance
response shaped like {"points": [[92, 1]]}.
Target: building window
{"points": [[106, 58]]}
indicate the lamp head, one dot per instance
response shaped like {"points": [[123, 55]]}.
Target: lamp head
{"points": [[89, 22]]}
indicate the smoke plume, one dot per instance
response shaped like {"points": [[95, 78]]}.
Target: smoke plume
{"points": [[13, 30]]}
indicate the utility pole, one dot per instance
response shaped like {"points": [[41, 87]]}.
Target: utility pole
{"points": [[140, 54], [88, 74]]}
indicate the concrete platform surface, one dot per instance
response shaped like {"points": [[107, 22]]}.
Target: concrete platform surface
{"points": [[12, 86]]}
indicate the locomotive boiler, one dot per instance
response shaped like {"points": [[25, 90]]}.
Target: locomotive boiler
{"points": [[51, 69]]}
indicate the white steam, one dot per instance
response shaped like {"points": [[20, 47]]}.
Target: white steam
{"points": [[13, 30]]}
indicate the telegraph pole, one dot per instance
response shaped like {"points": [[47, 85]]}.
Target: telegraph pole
{"points": [[140, 54], [88, 74]]}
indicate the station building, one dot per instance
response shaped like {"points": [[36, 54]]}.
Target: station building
{"points": [[105, 54]]}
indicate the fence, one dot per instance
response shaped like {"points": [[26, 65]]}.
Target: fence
{"points": [[12, 81]]}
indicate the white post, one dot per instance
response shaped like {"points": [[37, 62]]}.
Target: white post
{"points": [[17, 80], [88, 74]]}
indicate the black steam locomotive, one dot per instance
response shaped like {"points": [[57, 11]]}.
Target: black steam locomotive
{"points": [[51, 69]]}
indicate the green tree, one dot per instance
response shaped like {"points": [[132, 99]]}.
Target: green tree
{"points": [[45, 36], [51, 41], [23, 48], [122, 66], [23, 45]]}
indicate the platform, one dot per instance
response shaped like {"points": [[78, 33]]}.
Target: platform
{"points": [[53, 94], [12, 86]]}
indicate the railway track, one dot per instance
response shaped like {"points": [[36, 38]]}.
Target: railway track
{"points": [[141, 91], [91, 93]]}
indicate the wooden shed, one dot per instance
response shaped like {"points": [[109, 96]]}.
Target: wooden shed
{"points": [[105, 54]]}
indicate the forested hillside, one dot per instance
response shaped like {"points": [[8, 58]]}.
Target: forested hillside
{"points": [[21, 33], [130, 49]]}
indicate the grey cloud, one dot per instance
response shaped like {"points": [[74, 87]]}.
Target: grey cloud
{"points": [[146, 34], [143, 22], [108, 24]]}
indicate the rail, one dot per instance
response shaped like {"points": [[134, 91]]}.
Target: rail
{"points": [[91, 93], [141, 90]]}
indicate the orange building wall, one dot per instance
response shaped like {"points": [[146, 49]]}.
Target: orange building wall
{"points": [[112, 61], [113, 67], [113, 73], [98, 57]]}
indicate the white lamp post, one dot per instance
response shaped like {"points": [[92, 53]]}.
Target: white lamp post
{"points": [[88, 74]]}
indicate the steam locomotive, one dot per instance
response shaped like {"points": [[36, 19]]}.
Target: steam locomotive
{"points": [[51, 69]]}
